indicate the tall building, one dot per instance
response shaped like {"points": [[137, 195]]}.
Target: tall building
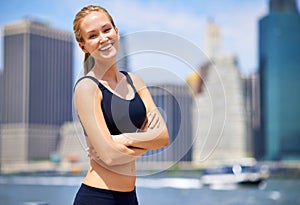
{"points": [[37, 90], [220, 120], [279, 62], [212, 40], [255, 142]]}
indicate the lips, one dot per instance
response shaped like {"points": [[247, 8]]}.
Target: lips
{"points": [[106, 47]]}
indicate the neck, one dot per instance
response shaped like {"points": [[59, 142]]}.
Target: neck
{"points": [[106, 72]]}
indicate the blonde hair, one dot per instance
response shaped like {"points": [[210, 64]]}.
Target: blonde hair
{"points": [[88, 61]]}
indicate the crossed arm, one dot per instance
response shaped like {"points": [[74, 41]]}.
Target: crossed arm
{"points": [[151, 136], [117, 149]]}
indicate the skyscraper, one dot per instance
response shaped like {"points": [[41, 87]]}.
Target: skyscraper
{"points": [[220, 128], [37, 89], [220, 120], [252, 97], [279, 63], [212, 40]]}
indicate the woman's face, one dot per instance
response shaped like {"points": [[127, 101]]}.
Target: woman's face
{"points": [[99, 35]]}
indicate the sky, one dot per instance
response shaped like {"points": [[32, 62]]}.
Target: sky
{"points": [[187, 19]]}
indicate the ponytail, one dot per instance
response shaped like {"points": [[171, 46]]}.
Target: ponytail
{"points": [[88, 63]]}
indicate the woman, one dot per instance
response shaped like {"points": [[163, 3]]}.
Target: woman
{"points": [[117, 112]]}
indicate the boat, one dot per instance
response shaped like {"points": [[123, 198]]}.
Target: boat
{"points": [[235, 174]]}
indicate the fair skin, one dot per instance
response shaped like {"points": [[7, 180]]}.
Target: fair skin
{"points": [[112, 157]]}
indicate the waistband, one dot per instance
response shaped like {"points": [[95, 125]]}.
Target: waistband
{"points": [[108, 191]]}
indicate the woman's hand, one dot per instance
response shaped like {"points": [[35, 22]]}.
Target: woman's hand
{"points": [[152, 121], [92, 154]]}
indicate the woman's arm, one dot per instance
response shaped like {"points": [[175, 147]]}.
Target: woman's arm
{"points": [[153, 136], [87, 98], [156, 135]]}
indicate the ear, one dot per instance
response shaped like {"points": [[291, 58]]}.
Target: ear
{"points": [[117, 31], [81, 45]]}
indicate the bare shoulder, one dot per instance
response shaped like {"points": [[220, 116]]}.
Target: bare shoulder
{"points": [[86, 88], [137, 81]]}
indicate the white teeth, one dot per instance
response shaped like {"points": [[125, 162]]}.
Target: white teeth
{"points": [[105, 47]]}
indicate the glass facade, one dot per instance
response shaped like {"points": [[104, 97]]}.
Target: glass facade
{"points": [[37, 90], [37, 76], [13, 73], [279, 67], [50, 82]]}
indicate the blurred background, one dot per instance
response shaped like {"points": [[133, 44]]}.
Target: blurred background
{"points": [[223, 73]]}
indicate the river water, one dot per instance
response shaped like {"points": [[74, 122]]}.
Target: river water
{"points": [[162, 190]]}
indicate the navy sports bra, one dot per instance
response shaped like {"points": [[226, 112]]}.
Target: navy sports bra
{"points": [[121, 115]]}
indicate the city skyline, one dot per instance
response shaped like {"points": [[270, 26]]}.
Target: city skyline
{"points": [[187, 20], [163, 101], [189, 54]]}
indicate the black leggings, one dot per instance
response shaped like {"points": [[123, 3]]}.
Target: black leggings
{"points": [[88, 195]]}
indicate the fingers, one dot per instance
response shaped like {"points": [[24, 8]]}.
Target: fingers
{"points": [[145, 125], [153, 119], [92, 153]]}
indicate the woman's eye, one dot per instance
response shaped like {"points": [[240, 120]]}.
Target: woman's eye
{"points": [[107, 30], [92, 36]]}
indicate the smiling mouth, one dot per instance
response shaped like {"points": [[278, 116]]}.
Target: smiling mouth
{"points": [[106, 47]]}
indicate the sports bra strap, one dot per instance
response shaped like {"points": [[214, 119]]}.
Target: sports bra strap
{"points": [[129, 80], [92, 78]]}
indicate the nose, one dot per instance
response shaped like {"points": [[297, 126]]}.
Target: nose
{"points": [[103, 38]]}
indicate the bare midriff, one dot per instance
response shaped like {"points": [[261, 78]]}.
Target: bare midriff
{"points": [[116, 178]]}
